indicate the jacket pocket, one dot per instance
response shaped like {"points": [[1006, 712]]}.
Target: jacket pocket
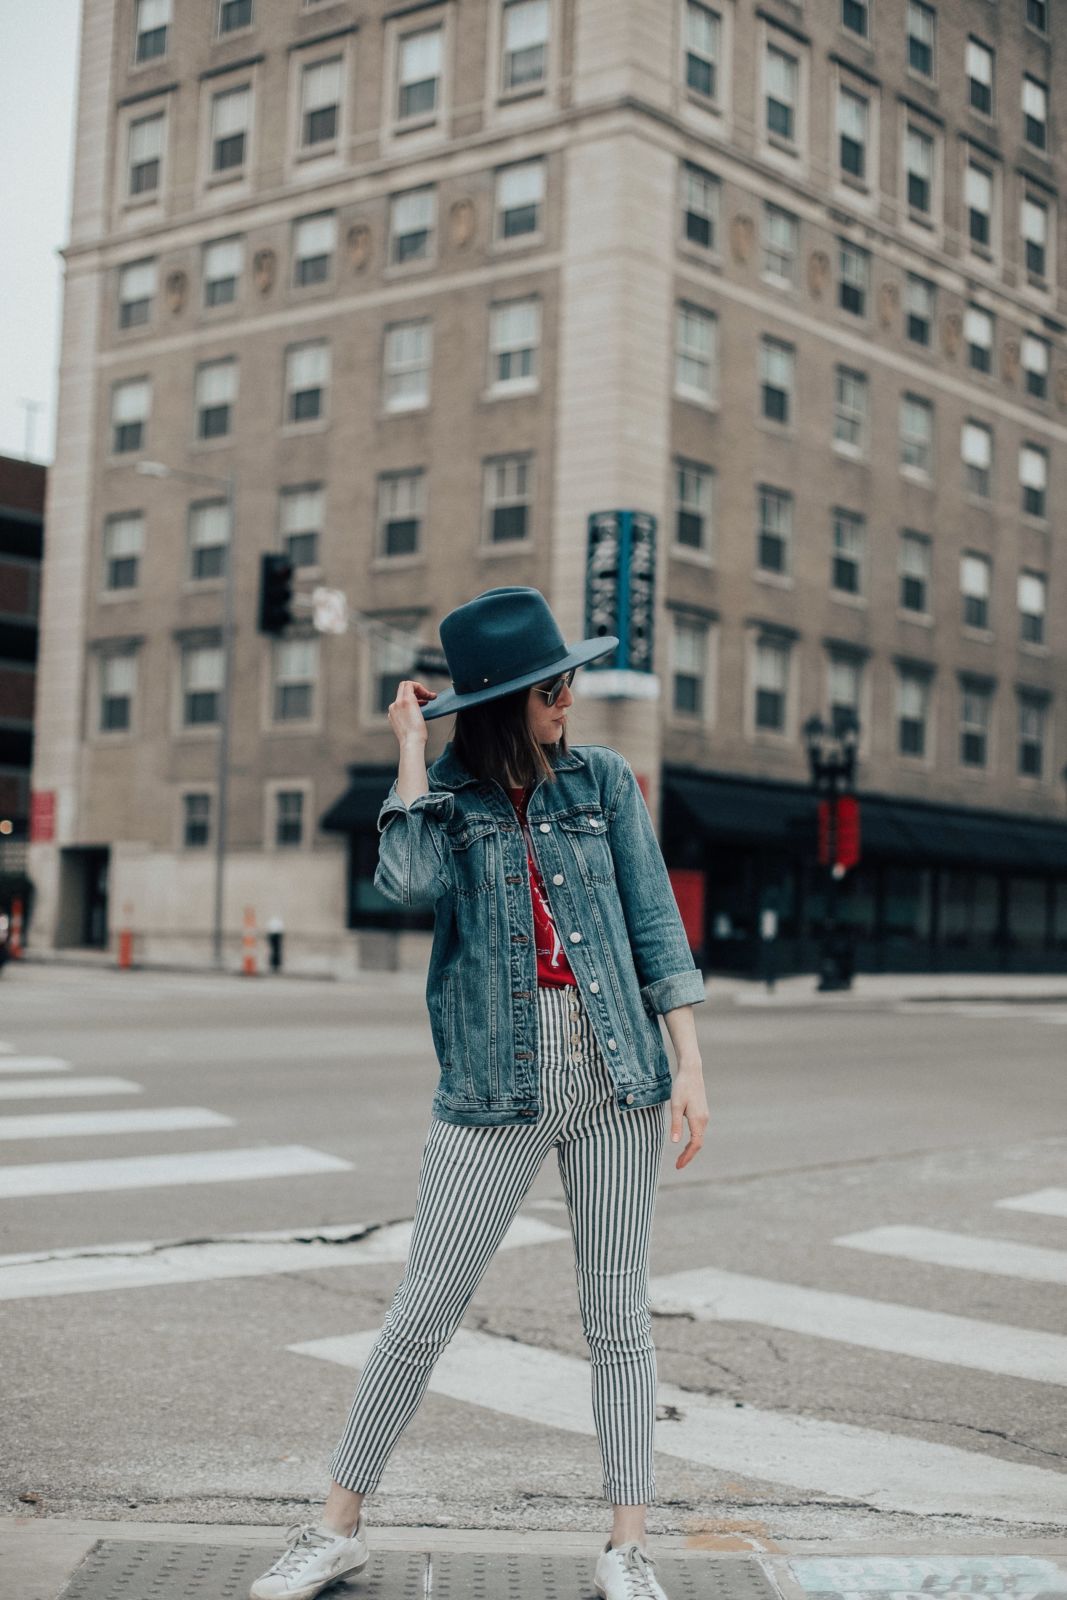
{"points": [[586, 829], [473, 846]]}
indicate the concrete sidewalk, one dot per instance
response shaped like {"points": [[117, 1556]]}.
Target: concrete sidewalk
{"points": [[44, 1558], [888, 988]]}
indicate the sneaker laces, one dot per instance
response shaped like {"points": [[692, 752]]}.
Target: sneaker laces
{"points": [[304, 1541], [637, 1572]]}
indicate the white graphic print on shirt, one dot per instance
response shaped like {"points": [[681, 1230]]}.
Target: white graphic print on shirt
{"points": [[543, 918]]}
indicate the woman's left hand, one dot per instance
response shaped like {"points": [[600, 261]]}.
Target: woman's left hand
{"points": [[689, 1100]]}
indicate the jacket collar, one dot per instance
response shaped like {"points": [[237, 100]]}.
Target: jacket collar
{"points": [[450, 772]]}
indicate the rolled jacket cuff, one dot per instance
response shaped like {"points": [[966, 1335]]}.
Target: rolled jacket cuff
{"points": [[437, 800], [679, 989]]}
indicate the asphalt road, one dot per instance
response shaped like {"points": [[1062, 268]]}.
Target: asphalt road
{"points": [[854, 1331]]}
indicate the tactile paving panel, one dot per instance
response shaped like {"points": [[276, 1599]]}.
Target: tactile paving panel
{"points": [[120, 1569]]}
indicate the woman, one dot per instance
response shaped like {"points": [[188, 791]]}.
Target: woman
{"points": [[557, 945]]}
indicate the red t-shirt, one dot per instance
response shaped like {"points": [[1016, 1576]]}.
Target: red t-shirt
{"points": [[553, 968]]}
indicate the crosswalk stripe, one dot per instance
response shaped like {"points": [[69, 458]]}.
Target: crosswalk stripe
{"points": [[1003, 1257], [77, 1124], [28, 1064], [64, 1088], [714, 1296], [151, 1172], [891, 1472], [1046, 1202], [145, 1264]]}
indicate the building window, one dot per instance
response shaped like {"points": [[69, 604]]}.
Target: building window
{"points": [[919, 164], [209, 538], [408, 353], [525, 64], [145, 154], [770, 709], [693, 525], [222, 266], [1035, 235], [123, 548], [202, 673], [196, 821], [314, 244], [700, 207], [129, 415], [1035, 362], [853, 112], [137, 288], [401, 508], [856, 17], [520, 193], [1033, 479], [216, 392], [320, 103], [922, 25], [777, 362], [850, 409], [916, 433], [419, 75], [234, 14], [507, 498], [781, 79], [301, 519], [1033, 716], [978, 336], [781, 244], [978, 65], [978, 194], [153, 20], [976, 446], [412, 217], [920, 301], [846, 573], [230, 113], [855, 278], [296, 671], [695, 332], [118, 683], [914, 573], [514, 338], [688, 666], [288, 818], [307, 381], [1035, 113], [1037, 14], [913, 711], [774, 536], [975, 706], [1032, 604], [976, 574], [845, 687], [703, 36]]}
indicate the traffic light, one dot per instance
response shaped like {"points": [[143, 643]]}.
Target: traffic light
{"points": [[275, 593]]}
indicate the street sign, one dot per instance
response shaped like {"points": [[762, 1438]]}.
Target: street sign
{"points": [[839, 832], [620, 579], [329, 610]]}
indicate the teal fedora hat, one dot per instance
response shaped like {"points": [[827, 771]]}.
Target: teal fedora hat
{"points": [[502, 640]]}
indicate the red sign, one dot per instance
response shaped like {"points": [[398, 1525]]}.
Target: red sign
{"points": [[42, 816], [839, 817], [688, 886]]}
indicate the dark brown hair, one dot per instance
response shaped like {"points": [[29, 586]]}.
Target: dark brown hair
{"points": [[494, 739]]}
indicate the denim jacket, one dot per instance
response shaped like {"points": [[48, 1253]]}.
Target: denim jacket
{"points": [[461, 849]]}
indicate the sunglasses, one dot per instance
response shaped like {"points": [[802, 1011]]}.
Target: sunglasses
{"points": [[555, 687]]}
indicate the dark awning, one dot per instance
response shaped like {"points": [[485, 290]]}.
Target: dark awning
{"points": [[357, 808], [728, 809]]}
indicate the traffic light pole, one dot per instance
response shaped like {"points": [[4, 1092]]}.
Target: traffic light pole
{"points": [[222, 775]]}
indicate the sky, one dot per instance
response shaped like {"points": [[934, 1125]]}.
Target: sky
{"points": [[38, 66]]}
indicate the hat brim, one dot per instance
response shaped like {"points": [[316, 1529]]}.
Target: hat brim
{"points": [[578, 655]]}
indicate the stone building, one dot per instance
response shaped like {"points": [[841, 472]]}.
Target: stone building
{"points": [[428, 285]]}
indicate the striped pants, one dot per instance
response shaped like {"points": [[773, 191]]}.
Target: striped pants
{"points": [[472, 1182]]}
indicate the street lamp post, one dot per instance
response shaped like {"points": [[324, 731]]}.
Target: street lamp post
{"points": [[157, 469], [832, 756]]}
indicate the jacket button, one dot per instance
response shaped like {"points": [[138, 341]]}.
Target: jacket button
{"points": [[546, 827], [594, 987], [612, 1045], [575, 937], [557, 877], [629, 1099], [594, 822]]}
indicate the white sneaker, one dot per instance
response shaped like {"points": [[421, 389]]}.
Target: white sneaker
{"points": [[625, 1573], [313, 1559]]}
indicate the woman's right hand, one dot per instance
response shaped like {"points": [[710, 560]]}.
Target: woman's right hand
{"points": [[405, 713]]}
